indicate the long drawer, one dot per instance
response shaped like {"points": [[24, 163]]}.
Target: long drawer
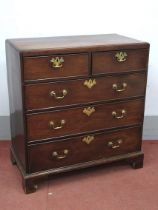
{"points": [[83, 119], [82, 149], [47, 95]]}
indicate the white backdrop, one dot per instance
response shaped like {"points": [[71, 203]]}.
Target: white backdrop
{"points": [[35, 18]]}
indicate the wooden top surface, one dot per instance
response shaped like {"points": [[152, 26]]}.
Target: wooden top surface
{"points": [[70, 43]]}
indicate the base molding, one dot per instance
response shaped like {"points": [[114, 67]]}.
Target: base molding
{"points": [[29, 181]]}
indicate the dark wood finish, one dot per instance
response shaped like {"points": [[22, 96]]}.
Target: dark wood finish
{"points": [[41, 156], [136, 162], [31, 78], [13, 161], [78, 122], [40, 67], [106, 62], [32, 186], [17, 121], [29, 185], [37, 96], [49, 45]]}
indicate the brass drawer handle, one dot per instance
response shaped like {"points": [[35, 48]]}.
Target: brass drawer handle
{"points": [[57, 62], [54, 94], [121, 56], [58, 126], [88, 139], [88, 111], [115, 144], [90, 83], [59, 157], [117, 89], [117, 116]]}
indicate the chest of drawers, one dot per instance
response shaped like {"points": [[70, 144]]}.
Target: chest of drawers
{"points": [[75, 102]]}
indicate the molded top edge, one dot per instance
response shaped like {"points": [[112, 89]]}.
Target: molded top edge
{"points": [[80, 43]]}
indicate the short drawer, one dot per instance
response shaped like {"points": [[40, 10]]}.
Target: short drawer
{"points": [[55, 66], [39, 96], [83, 149], [119, 61], [84, 119]]}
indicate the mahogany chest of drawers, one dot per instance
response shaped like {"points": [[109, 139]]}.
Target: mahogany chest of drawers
{"points": [[75, 102]]}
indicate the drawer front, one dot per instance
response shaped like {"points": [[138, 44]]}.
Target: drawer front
{"points": [[55, 66], [83, 149], [84, 119], [119, 61], [38, 96]]}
